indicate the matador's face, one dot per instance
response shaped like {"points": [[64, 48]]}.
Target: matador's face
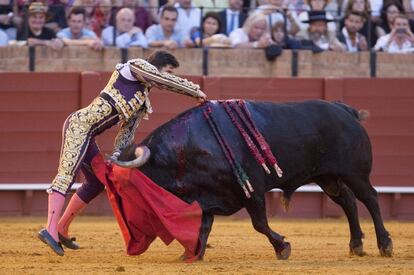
{"points": [[167, 69]]}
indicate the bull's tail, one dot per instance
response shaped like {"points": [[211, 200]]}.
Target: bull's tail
{"points": [[361, 115], [285, 200]]}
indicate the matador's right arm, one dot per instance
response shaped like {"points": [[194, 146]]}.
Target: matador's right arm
{"points": [[146, 72]]}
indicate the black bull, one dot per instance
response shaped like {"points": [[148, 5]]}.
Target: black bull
{"points": [[314, 141]]}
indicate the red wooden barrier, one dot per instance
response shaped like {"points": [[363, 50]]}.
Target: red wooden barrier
{"points": [[32, 112]]}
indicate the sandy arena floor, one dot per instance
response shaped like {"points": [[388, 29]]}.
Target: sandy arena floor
{"points": [[318, 247]]}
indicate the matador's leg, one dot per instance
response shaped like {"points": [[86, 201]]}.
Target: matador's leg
{"points": [[78, 130]]}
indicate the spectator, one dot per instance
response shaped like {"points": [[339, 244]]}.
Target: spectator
{"points": [[76, 34], [189, 16], [89, 6], [143, 18], [350, 36], [4, 39], [36, 33], [400, 39], [209, 32], [126, 34], [296, 7], [318, 33], [275, 12], [389, 11], [100, 17], [9, 19], [57, 20], [279, 38], [165, 34], [409, 8], [212, 5], [316, 5], [152, 6], [369, 28], [232, 18], [253, 34]]}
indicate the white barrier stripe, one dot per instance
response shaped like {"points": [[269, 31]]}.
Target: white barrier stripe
{"points": [[380, 189], [304, 189], [30, 186]]}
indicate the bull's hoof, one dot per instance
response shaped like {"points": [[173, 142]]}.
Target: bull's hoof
{"points": [[357, 250], [187, 259], [284, 253], [386, 251]]}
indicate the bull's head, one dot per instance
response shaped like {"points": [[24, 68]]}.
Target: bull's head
{"points": [[133, 156]]}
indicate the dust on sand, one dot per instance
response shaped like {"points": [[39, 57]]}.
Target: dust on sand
{"points": [[318, 247]]}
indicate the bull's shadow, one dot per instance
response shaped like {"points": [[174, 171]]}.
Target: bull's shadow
{"points": [[314, 141]]}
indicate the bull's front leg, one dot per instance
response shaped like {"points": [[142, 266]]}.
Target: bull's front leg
{"points": [[257, 211], [206, 225]]}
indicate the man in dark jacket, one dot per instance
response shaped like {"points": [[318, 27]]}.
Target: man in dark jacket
{"points": [[232, 17]]}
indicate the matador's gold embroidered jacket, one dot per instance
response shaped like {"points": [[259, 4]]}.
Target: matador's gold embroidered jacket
{"points": [[130, 98]]}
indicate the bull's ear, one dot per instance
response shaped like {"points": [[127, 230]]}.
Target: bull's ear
{"points": [[128, 153]]}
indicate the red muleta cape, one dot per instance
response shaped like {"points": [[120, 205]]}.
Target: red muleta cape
{"points": [[145, 210]]}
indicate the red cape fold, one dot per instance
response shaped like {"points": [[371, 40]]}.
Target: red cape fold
{"points": [[145, 210]]}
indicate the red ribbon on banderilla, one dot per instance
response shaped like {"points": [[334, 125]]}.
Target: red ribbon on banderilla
{"points": [[238, 171]]}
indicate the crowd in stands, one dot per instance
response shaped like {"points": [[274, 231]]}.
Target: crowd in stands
{"points": [[273, 25]]}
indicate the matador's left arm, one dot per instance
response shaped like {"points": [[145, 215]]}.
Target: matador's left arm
{"points": [[146, 72], [126, 133]]}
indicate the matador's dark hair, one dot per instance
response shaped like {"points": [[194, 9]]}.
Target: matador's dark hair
{"points": [[163, 58]]}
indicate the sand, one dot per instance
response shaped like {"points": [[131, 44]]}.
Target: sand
{"points": [[318, 247]]}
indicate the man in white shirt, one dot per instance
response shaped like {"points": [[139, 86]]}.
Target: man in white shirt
{"points": [[189, 16], [350, 36], [232, 18], [166, 34], [399, 40], [126, 34]]}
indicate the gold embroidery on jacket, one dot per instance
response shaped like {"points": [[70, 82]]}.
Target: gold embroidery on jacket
{"points": [[127, 108], [75, 136]]}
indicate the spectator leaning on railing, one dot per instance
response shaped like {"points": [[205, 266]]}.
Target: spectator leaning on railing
{"points": [[126, 34], [279, 38], [350, 36], [35, 33], [208, 35], [399, 40], [76, 34], [318, 34], [253, 34], [165, 34]]}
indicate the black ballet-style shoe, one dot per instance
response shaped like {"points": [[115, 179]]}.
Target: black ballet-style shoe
{"points": [[68, 242], [45, 237]]}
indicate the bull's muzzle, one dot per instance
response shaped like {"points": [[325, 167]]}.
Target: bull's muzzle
{"points": [[142, 154]]}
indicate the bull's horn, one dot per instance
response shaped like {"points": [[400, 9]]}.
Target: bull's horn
{"points": [[142, 154]]}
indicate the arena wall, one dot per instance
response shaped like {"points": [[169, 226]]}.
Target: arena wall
{"points": [[33, 107], [215, 62]]}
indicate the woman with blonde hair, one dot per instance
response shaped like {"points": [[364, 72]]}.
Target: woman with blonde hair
{"points": [[253, 34]]}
